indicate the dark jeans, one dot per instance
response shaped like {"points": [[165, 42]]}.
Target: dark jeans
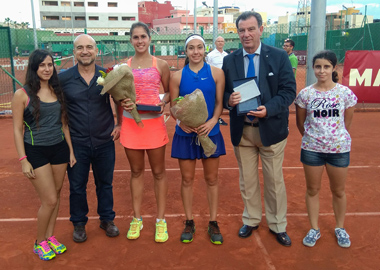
{"points": [[102, 159]]}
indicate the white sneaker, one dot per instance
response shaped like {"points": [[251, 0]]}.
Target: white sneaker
{"points": [[342, 237], [311, 238]]}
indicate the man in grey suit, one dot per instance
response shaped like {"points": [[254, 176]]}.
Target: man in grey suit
{"points": [[262, 132]]}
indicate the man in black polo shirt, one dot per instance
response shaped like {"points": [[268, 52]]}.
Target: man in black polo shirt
{"points": [[93, 131]]}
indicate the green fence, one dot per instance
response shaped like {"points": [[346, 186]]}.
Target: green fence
{"points": [[167, 45]]}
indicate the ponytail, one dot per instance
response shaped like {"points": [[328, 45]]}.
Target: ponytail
{"points": [[335, 76]]}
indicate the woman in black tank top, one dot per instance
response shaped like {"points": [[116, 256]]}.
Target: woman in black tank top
{"points": [[43, 153]]}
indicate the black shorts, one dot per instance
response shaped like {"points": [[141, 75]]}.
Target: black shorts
{"points": [[55, 154]]}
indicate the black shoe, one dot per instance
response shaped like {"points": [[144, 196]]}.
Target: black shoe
{"points": [[222, 122], [214, 232], [246, 230], [109, 227], [188, 232], [79, 234], [283, 238]]}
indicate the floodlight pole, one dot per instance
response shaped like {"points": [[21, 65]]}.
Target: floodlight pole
{"points": [[215, 23], [195, 16], [34, 27], [316, 39]]}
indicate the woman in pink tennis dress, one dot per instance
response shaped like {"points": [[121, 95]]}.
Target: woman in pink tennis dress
{"points": [[150, 76]]}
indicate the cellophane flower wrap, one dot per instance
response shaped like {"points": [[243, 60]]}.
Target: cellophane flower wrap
{"points": [[191, 110]]}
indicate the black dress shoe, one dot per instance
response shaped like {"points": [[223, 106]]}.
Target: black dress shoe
{"points": [[283, 238], [246, 230], [79, 234], [109, 227]]}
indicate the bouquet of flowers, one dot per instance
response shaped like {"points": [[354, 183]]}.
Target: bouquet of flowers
{"points": [[192, 111], [118, 82]]}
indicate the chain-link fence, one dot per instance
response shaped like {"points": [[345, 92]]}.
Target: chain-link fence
{"points": [[167, 44]]}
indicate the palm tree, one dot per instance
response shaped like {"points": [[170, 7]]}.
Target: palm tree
{"points": [[8, 21], [24, 25]]}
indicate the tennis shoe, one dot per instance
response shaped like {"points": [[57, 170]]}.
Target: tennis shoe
{"points": [[56, 246], [311, 238], [214, 232], [342, 237], [43, 251], [161, 232], [135, 228], [187, 235]]}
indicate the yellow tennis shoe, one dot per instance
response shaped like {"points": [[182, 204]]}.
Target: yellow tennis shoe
{"points": [[135, 228], [161, 232]]}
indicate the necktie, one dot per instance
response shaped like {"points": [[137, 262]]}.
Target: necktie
{"points": [[251, 73], [251, 66]]}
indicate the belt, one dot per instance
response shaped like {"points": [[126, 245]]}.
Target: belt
{"points": [[252, 124]]}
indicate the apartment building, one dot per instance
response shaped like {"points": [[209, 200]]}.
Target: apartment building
{"points": [[110, 17]]}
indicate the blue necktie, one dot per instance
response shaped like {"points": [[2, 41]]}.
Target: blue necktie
{"points": [[251, 73], [251, 66]]}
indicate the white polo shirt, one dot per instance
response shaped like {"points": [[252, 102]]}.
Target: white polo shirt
{"points": [[215, 58]]}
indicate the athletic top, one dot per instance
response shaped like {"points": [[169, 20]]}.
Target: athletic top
{"points": [[294, 62], [147, 84], [49, 130], [203, 80], [325, 131]]}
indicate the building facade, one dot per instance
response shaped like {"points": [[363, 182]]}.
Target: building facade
{"points": [[83, 16]]}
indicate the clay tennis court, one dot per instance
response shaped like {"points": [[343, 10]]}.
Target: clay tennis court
{"points": [[19, 205]]}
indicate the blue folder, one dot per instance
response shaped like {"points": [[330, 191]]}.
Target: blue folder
{"points": [[249, 105]]}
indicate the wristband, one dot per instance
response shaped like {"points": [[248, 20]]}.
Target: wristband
{"points": [[22, 158]]}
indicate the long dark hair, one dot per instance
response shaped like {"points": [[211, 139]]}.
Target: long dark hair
{"points": [[331, 57], [33, 81]]}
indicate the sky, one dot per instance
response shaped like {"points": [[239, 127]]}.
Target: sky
{"points": [[21, 11]]}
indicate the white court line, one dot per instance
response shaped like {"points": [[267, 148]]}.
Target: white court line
{"points": [[221, 169], [354, 214], [264, 251]]}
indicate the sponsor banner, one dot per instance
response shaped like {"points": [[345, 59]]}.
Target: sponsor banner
{"points": [[361, 73]]}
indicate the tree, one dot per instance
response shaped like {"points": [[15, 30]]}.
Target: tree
{"points": [[8, 21]]}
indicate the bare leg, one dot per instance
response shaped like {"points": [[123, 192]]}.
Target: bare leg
{"points": [[45, 186], [157, 164], [187, 167], [210, 169], [137, 164], [59, 172], [313, 175], [337, 178]]}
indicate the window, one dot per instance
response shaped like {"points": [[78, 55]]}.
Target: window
{"points": [[128, 18], [113, 18], [92, 4], [65, 4], [112, 4], [50, 3], [80, 18], [50, 18], [78, 4], [93, 18], [66, 18], [114, 33]]}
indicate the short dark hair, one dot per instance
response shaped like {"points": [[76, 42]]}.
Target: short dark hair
{"points": [[139, 24], [248, 14], [288, 40]]}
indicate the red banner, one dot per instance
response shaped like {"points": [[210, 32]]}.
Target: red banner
{"points": [[361, 73]]}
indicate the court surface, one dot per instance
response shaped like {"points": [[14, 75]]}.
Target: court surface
{"points": [[19, 205]]}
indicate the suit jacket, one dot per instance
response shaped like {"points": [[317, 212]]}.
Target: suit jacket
{"points": [[278, 91]]}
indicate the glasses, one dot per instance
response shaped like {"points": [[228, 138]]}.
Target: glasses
{"points": [[286, 46]]}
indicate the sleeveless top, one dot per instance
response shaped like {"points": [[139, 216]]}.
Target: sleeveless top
{"points": [[49, 130], [204, 81], [147, 84]]}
